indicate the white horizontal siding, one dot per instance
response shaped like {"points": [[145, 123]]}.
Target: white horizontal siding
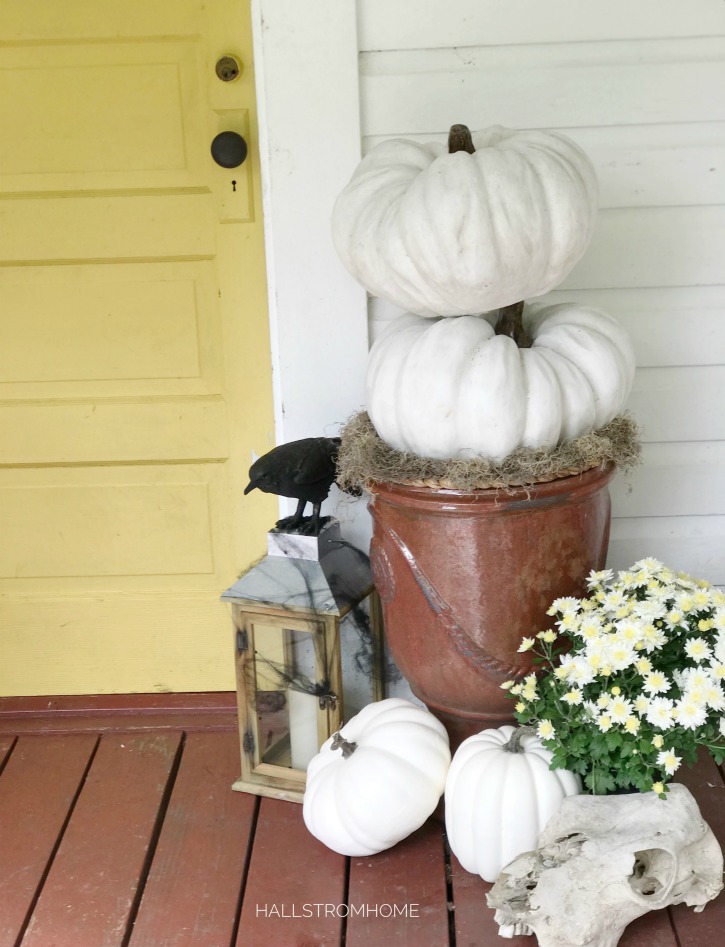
{"points": [[692, 544], [413, 25], [564, 85], [641, 87], [674, 479]]}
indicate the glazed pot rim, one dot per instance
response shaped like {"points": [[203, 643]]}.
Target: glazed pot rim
{"points": [[570, 487]]}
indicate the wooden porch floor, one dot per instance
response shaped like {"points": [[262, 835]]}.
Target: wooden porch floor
{"points": [[122, 831]]}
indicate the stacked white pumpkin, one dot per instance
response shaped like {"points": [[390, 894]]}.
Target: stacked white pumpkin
{"points": [[460, 237]]}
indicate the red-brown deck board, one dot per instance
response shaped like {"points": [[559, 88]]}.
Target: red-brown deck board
{"points": [[199, 863], [399, 896], [290, 875], [136, 839], [44, 774]]}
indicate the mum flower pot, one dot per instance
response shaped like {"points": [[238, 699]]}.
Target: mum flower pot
{"points": [[463, 576]]}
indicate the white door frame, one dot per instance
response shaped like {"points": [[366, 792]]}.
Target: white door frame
{"points": [[306, 70]]}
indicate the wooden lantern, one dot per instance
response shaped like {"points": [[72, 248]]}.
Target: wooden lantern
{"points": [[309, 654]]}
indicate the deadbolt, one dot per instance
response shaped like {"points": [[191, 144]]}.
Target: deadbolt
{"points": [[228, 68]]}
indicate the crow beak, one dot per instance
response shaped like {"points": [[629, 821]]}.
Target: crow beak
{"points": [[250, 486]]}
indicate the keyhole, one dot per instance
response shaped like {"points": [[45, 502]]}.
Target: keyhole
{"points": [[234, 185]]}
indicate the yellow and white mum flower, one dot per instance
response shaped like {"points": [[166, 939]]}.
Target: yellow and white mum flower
{"points": [[690, 714], [668, 761], [566, 603], [620, 655], [656, 683], [545, 730], [613, 599], [643, 665], [702, 598], [650, 609], [658, 741], [573, 696], [659, 712], [604, 723], [632, 725], [619, 709], [685, 603], [715, 697], [628, 632], [650, 565], [599, 578], [526, 644], [695, 678], [697, 649], [641, 704], [569, 621], [590, 627]]}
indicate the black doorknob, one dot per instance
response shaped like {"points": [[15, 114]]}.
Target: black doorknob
{"points": [[229, 149]]}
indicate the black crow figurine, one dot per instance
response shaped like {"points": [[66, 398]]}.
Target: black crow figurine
{"points": [[302, 469]]}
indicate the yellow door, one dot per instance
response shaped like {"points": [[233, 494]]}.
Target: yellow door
{"points": [[135, 378]]}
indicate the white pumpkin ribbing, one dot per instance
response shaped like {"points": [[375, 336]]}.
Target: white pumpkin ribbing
{"points": [[452, 388], [444, 234], [497, 802], [386, 788]]}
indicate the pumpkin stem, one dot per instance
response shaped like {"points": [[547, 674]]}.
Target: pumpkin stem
{"points": [[340, 743], [514, 741], [459, 139], [510, 323]]}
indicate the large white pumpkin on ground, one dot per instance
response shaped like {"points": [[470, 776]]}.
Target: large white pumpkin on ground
{"points": [[498, 799], [451, 234], [378, 780], [454, 388]]}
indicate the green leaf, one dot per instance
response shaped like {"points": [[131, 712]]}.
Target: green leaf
{"points": [[614, 739]]}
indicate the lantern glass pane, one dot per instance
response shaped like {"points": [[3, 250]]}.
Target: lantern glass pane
{"points": [[286, 701], [358, 659]]}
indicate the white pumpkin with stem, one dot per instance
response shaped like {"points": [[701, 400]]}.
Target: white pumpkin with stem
{"points": [[495, 217], [378, 779], [500, 793], [482, 387]]}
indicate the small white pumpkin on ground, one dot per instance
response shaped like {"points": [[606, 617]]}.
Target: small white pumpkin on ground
{"points": [[477, 387], [495, 217], [500, 793], [378, 779]]}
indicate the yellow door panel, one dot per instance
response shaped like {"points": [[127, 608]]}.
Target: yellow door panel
{"points": [[160, 642], [80, 332], [114, 432], [147, 521], [100, 227], [135, 380]]}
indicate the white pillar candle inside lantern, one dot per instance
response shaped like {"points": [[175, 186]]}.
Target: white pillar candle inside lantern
{"points": [[307, 627], [302, 727]]}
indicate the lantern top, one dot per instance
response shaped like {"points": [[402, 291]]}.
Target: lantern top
{"points": [[327, 579]]}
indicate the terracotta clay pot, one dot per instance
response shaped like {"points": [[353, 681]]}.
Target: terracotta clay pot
{"points": [[463, 577]]}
